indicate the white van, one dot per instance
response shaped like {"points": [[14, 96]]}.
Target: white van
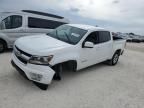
{"points": [[26, 22]]}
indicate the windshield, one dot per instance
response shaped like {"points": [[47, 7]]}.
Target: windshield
{"points": [[69, 34]]}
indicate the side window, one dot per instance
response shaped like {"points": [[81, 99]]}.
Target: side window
{"points": [[43, 23], [11, 22], [92, 37], [104, 36]]}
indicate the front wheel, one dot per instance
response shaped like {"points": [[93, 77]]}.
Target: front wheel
{"points": [[41, 86], [58, 70], [114, 59], [2, 46]]}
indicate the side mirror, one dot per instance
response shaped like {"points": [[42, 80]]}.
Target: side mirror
{"points": [[88, 44]]}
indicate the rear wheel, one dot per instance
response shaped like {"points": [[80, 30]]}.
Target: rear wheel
{"points": [[114, 59]]}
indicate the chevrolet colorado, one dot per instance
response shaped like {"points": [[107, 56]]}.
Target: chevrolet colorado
{"points": [[41, 58]]}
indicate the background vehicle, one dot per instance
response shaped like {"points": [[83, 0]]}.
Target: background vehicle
{"points": [[137, 40], [40, 58], [26, 22]]}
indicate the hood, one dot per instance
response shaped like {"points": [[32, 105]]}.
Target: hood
{"points": [[39, 43]]}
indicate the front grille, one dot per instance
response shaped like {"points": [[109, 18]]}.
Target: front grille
{"points": [[19, 54], [22, 59], [22, 52]]}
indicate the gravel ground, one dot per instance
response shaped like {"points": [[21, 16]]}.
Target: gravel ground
{"points": [[136, 46], [99, 86]]}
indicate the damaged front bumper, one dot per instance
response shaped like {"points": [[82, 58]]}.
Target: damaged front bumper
{"points": [[38, 73]]}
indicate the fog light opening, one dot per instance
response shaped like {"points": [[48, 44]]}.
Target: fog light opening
{"points": [[35, 76]]}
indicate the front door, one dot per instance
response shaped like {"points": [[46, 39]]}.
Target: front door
{"points": [[90, 56]]}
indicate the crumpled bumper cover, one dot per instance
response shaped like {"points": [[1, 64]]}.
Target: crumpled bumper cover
{"points": [[44, 73]]}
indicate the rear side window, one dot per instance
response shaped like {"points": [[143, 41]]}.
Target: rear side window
{"points": [[11, 22], [104, 36], [43, 23]]}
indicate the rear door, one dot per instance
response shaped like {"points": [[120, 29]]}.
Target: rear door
{"points": [[104, 46]]}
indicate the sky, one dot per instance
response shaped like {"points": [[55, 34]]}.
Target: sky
{"points": [[115, 15]]}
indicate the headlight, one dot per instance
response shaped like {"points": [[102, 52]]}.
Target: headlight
{"points": [[41, 60]]}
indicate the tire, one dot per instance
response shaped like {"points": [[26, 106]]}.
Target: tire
{"points": [[41, 86], [58, 70], [72, 66], [114, 59], [2, 46]]}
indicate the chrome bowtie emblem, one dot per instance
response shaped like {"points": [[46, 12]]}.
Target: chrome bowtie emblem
{"points": [[18, 53]]}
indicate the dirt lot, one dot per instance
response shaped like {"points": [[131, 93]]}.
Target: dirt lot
{"points": [[99, 86], [136, 46]]}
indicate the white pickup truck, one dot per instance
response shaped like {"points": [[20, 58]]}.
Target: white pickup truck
{"points": [[41, 58]]}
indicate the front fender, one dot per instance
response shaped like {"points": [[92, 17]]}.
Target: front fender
{"points": [[63, 58]]}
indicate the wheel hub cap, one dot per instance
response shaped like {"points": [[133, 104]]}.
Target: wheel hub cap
{"points": [[115, 58]]}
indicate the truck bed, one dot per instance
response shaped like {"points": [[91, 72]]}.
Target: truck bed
{"points": [[118, 43], [115, 38]]}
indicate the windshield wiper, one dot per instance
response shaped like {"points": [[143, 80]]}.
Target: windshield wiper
{"points": [[69, 40], [54, 36], [57, 35]]}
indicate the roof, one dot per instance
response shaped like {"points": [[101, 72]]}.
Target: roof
{"points": [[86, 27], [34, 12], [43, 14]]}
